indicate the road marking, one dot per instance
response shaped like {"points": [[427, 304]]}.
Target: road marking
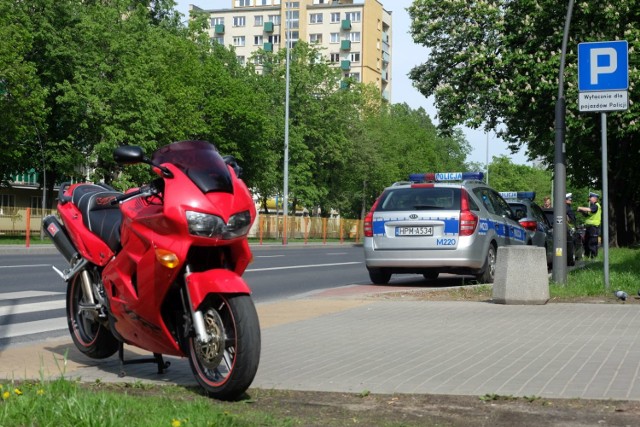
{"points": [[269, 256], [38, 326], [337, 253], [302, 266], [25, 266], [31, 308], [27, 294]]}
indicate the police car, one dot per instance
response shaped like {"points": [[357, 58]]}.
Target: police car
{"points": [[438, 223], [532, 218]]}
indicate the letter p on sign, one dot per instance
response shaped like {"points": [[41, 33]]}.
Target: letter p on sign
{"points": [[603, 66], [603, 55]]}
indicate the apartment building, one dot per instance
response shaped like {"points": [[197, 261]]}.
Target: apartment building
{"points": [[354, 35]]}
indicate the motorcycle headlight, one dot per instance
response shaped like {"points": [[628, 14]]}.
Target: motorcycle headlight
{"points": [[207, 225]]}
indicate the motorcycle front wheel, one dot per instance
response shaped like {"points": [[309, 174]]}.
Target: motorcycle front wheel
{"points": [[226, 364], [88, 332]]}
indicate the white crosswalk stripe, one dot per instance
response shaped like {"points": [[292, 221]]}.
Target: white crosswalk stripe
{"points": [[35, 327], [19, 313]]}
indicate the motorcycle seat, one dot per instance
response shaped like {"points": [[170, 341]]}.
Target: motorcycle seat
{"points": [[98, 214]]}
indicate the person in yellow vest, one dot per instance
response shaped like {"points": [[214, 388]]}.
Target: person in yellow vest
{"points": [[592, 223]]}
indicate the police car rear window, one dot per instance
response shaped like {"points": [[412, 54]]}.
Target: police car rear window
{"points": [[403, 199]]}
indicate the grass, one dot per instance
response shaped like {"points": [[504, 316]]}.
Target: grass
{"points": [[64, 402], [588, 281], [22, 240]]}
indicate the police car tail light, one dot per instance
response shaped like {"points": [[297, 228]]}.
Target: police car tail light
{"points": [[529, 225], [468, 220], [368, 220]]}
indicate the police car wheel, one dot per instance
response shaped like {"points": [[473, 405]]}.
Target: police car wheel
{"points": [[489, 267], [379, 276]]}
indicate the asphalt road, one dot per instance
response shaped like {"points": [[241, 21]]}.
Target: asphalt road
{"points": [[32, 295]]}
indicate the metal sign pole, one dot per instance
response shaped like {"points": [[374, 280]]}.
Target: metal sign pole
{"points": [[604, 201]]}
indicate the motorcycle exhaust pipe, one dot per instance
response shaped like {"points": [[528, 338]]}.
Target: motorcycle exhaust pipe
{"points": [[58, 234]]}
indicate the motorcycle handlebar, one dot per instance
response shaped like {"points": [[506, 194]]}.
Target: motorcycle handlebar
{"points": [[125, 196]]}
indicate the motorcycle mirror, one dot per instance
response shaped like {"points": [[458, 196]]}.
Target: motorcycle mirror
{"points": [[129, 154], [231, 161]]}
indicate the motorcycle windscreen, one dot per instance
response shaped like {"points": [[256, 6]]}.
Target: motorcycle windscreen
{"points": [[200, 161]]}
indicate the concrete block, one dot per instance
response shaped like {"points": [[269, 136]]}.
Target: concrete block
{"points": [[521, 276]]}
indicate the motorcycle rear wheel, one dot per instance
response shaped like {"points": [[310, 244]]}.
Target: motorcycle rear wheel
{"points": [[89, 334], [227, 364]]}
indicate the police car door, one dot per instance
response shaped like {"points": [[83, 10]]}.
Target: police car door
{"points": [[509, 230]]}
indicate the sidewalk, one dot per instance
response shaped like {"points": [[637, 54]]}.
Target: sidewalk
{"points": [[341, 340]]}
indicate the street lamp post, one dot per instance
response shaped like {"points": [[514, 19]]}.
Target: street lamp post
{"points": [[285, 196], [559, 274]]}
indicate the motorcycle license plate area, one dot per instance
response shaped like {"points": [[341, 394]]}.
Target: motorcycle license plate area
{"points": [[414, 231]]}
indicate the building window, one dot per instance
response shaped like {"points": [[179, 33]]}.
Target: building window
{"points": [[218, 39], [334, 57], [263, 2], [217, 21], [257, 40], [294, 19], [239, 21], [315, 18], [243, 3], [335, 17], [315, 38], [295, 35], [292, 5], [354, 76], [36, 202], [241, 59], [275, 19], [275, 39], [354, 56], [258, 20], [238, 41], [353, 16], [7, 201], [335, 38], [354, 37]]}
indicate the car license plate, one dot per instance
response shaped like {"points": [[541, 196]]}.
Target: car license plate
{"points": [[414, 231]]}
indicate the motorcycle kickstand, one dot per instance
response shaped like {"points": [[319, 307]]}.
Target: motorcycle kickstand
{"points": [[157, 359]]}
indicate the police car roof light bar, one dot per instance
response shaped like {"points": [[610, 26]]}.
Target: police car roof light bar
{"points": [[512, 195], [446, 176]]}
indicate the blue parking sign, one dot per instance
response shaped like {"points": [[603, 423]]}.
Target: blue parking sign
{"points": [[603, 66]]}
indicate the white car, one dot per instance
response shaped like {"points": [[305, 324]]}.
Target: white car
{"points": [[438, 222]]}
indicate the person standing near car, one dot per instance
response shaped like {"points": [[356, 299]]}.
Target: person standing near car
{"points": [[547, 202], [592, 223], [571, 215]]}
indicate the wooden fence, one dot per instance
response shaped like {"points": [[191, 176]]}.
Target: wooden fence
{"points": [[16, 222]]}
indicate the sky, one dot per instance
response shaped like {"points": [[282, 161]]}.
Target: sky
{"points": [[405, 55]]}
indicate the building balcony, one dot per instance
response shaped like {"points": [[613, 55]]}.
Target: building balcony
{"points": [[345, 65], [268, 27], [268, 47], [345, 45], [346, 24], [219, 29]]}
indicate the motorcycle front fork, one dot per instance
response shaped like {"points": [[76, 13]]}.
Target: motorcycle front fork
{"points": [[197, 319]]}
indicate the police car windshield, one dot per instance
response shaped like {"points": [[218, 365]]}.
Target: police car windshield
{"points": [[402, 199]]}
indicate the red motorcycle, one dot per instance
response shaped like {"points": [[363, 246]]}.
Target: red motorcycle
{"points": [[159, 267]]}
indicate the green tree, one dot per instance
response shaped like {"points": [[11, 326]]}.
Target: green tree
{"points": [[496, 62], [507, 176]]}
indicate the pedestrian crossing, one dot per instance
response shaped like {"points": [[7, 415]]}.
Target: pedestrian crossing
{"points": [[31, 312]]}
